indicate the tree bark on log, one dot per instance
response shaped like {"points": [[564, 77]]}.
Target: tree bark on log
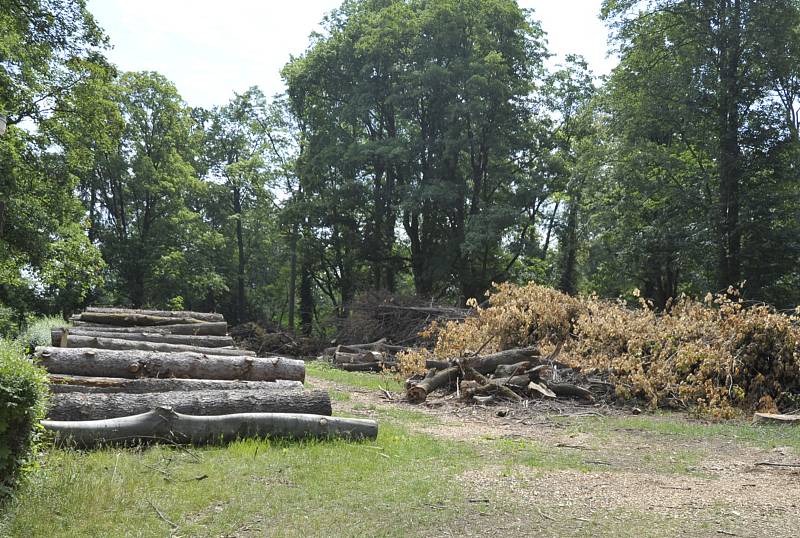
{"points": [[487, 364], [418, 393], [67, 383], [133, 364], [202, 316], [166, 425], [145, 336], [74, 340], [205, 328], [98, 406], [132, 319]]}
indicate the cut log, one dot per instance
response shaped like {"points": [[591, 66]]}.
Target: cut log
{"points": [[418, 392], [567, 390], [98, 406], [488, 363], [133, 364], [776, 419], [147, 336], [74, 340], [67, 383], [341, 357], [166, 425], [132, 319], [379, 345], [206, 328], [202, 316]]}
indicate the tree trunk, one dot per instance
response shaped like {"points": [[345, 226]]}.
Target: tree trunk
{"points": [[240, 302], [68, 383], [203, 329], [306, 300], [165, 424], [129, 319], [134, 364], [202, 316], [81, 406], [293, 278], [568, 282], [147, 336], [73, 340]]}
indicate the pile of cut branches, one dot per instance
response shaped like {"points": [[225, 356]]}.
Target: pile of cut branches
{"points": [[512, 375]]}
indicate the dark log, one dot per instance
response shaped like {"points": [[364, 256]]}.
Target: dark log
{"points": [[98, 406], [66, 383], [487, 364], [132, 364], [202, 316], [418, 392], [74, 340], [206, 328], [567, 390], [518, 381], [146, 336], [166, 425]]}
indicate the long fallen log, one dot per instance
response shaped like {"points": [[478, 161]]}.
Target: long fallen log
{"points": [[202, 316], [72, 383], [206, 328], [76, 340], [147, 336], [131, 319], [99, 406], [133, 364], [166, 425]]}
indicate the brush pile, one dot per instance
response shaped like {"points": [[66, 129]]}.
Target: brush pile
{"points": [[717, 357]]}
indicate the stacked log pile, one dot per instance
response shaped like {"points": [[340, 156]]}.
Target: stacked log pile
{"points": [[121, 375]]}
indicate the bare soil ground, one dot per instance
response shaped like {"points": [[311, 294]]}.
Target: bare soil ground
{"points": [[585, 470]]}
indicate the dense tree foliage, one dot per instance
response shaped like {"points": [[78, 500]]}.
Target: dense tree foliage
{"points": [[422, 146]]}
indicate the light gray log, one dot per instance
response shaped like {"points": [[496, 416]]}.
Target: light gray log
{"points": [[67, 383], [146, 336], [165, 425], [208, 328], [98, 406], [132, 319], [202, 316], [132, 364], [76, 340]]}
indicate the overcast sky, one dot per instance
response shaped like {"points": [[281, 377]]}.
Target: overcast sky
{"points": [[212, 48]]}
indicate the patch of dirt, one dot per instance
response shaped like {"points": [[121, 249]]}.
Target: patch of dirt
{"points": [[709, 486]]}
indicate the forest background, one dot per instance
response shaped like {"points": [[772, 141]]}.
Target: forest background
{"points": [[423, 147]]}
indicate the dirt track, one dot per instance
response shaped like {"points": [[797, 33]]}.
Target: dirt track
{"points": [[588, 471]]}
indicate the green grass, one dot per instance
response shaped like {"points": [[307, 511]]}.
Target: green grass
{"points": [[370, 381], [675, 427], [386, 488]]}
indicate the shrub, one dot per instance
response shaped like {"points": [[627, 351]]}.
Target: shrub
{"points": [[716, 356], [23, 390], [37, 333]]}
